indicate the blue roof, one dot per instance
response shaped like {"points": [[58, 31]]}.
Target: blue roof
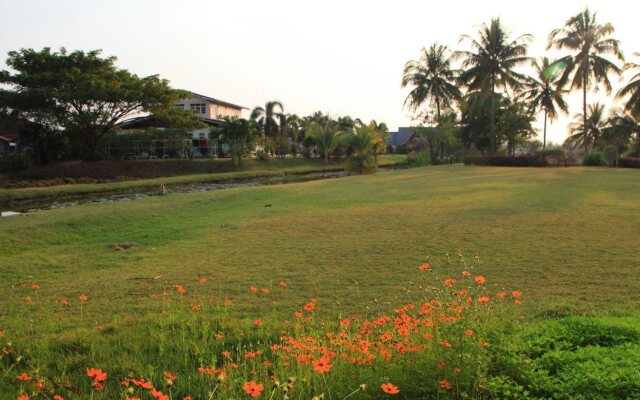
{"points": [[401, 137]]}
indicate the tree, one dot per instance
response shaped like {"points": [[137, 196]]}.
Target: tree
{"points": [[588, 41], [544, 93], [81, 92], [514, 124], [490, 65], [239, 135], [432, 78], [594, 127], [632, 89], [620, 131], [266, 118], [326, 137]]}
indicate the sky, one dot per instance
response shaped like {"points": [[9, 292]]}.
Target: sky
{"points": [[340, 57]]}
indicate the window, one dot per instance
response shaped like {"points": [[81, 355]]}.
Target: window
{"points": [[200, 108], [178, 105]]}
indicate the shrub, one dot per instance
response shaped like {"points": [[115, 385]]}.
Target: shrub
{"points": [[593, 159], [418, 159], [610, 155], [629, 162], [361, 164], [262, 155]]}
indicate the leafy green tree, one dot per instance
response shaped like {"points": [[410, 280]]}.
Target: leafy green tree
{"points": [[514, 124], [490, 66], [432, 78], [622, 127], [543, 92], [239, 135], [326, 138], [81, 92], [596, 123], [588, 41], [632, 89]]}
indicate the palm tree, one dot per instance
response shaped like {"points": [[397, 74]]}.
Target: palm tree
{"points": [[588, 41], [632, 89], [432, 78], [595, 125], [625, 126], [490, 65], [266, 119], [326, 137], [543, 93]]}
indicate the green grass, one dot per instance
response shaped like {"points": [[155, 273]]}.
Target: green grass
{"points": [[567, 238], [250, 169]]}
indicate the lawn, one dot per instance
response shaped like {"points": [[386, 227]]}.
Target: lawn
{"points": [[567, 238]]}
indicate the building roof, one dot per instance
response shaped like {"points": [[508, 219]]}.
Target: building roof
{"points": [[405, 134], [151, 121], [224, 103]]}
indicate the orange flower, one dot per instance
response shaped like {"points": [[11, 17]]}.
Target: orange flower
{"points": [[253, 389], [83, 297], [517, 302], [202, 280], [282, 283], [516, 293], [226, 354], [444, 384], [449, 282], [23, 377], [265, 291], [254, 289], [484, 343], [58, 397], [466, 274], [158, 395], [228, 302], [389, 388], [196, 307], [322, 365], [219, 335], [445, 343], [23, 397], [28, 299], [169, 376], [97, 374], [345, 322], [180, 289], [35, 286], [310, 306], [257, 322], [468, 332], [187, 398], [480, 279], [501, 294], [483, 299], [424, 267]]}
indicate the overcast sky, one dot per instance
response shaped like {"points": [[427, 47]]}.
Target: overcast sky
{"points": [[341, 57]]}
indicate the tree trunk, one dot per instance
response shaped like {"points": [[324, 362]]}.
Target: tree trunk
{"points": [[544, 137], [584, 111], [492, 116]]}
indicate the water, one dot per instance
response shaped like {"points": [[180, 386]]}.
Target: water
{"points": [[30, 206]]}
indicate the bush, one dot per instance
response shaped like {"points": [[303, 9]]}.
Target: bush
{"points": [[629, 162], [570, 358], [262, 155], [593, 159], [610, 155], [361, 164], [419, 159]]}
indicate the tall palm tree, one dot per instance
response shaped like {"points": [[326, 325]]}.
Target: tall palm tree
{"points": [[326, 137], [266, 118], [432, 78], [543, 93], [596, 123], [632, 89], [588, 41], [490, 65]]}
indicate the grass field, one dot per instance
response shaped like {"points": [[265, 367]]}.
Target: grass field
{"points": [[567, 238]]}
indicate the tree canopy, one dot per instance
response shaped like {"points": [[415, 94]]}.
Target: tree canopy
{"points": [[83, 93]]}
